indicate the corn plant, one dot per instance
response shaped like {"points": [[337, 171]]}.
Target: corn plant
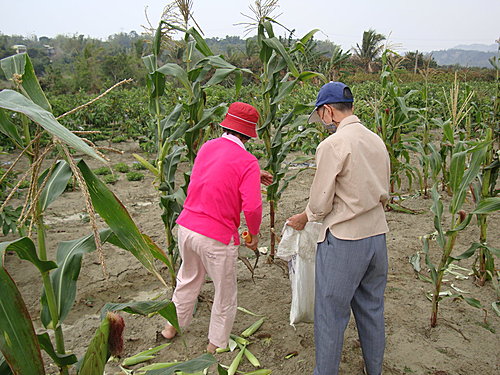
{"points": [[59, 276], [393, 118], [485, 195], [460, 179], [181, 132], [424, 148], [456, 110], [278, 79]]}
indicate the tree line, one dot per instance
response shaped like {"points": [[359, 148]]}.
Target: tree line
{"points": [[72, 63]]}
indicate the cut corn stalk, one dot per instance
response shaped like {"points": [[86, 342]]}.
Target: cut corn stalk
{"points": [[154, 366], [242, 309], [253, 328], [259, 372], [143, 356], [134, 360], [251, 358], [239, 340], [236, 362], [232, 344]]}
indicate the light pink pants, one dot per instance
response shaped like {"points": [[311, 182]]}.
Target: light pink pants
{"points": [[200, 256]]}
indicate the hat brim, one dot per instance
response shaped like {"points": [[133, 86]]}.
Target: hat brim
{"points": [[314, 117], [239, 127]]}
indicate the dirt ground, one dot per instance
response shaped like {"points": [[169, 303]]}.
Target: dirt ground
{"points": [[466, 340]]}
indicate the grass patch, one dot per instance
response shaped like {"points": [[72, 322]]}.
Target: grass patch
{"points": [[102, 171], [119, 139], [138, 166], [135, 176], [110, 179], [121, 167]]}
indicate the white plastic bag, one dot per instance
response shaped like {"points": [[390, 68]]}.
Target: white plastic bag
{"points": [[299, 249]]}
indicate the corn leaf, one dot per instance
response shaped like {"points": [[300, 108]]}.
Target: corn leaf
{"points": [[478, 155], [9, 129], [60, 360], [4, 367], [64, 278], [96, 355], [437, 210], [146, 164], [154, 366], [25, 249], [496, 307], [201, 44], [428, 261], [164, 308], [18, 341], [194, 365], [169, 122], [13, 101], [20, 64], [276, 45], [174, 70], [56, 184], [460, 226], [469, 252], [457, 169], [118, 219], [487, 206]]}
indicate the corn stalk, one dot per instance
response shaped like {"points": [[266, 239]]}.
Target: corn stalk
{"points": [[460, 179], [393, 118], [180, 133], [278, 79], [59, 277]]}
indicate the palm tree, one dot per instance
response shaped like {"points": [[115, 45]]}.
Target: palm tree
{"points": [[370, 49]]}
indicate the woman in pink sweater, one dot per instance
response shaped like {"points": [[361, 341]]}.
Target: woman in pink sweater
{"points": [[225, 180]]}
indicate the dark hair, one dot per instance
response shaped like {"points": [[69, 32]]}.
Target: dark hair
{"points": [[342, 107], [235, 133]]}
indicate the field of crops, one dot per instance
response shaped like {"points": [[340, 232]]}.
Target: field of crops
{"points": [[91, 188]]}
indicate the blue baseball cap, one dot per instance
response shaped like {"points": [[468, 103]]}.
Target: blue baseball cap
{"points": [[332, 92]]}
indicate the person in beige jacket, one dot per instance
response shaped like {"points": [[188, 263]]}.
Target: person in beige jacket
{"points": [[348, 196]]}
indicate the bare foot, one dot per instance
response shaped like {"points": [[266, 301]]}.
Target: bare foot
{"points": [[169, 332], [211, 348]]}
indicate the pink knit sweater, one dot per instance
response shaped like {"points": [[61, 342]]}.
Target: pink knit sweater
{"points": [[224, 181]]}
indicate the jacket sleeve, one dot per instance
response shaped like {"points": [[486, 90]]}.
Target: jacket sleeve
{"points": [[328, 166], [251, 197]]}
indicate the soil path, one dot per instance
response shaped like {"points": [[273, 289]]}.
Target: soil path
{"points": [[461, 344]]}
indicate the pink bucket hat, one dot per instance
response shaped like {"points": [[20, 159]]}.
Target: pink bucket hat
{"points": [[242, 118]]}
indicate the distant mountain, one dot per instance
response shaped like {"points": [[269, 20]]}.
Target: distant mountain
{"points": [[462, 57], [478, 47]]}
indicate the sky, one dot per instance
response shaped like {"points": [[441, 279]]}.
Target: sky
{"points": [[423, 25]]}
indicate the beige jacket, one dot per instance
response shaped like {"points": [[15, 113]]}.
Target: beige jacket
{"points": [[351, 184]]}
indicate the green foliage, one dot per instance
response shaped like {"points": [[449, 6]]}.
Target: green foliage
{"points": [[121, 167], [119, 139], [101, 171], [110, 179], [135, 176], [138, 166]]}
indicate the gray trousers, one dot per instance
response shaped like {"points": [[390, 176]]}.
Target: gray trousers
{"points": [[350, 275]]}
